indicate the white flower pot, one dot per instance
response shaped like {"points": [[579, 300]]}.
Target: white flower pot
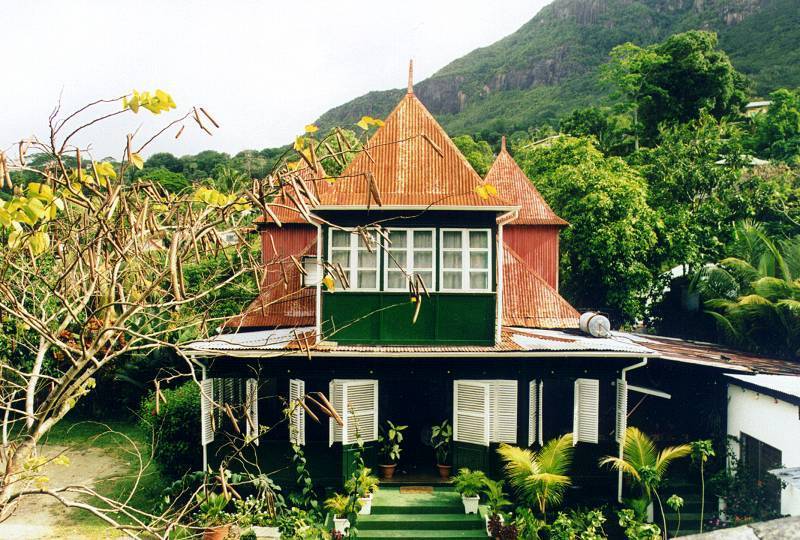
{"points": [[470, 504], [341, 525], [366, 505], [270, 533], [486, 517]]}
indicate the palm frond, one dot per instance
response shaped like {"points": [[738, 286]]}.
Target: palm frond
{"points": [[620, 465], [556, 455], [773, 288], [639, 449], [670, 454]]}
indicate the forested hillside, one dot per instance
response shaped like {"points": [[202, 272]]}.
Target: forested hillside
{"points": [[550, 65]]}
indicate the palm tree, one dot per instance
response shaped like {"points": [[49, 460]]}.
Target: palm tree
{"points": [[539, 477], [644, 464], [754, 295]]}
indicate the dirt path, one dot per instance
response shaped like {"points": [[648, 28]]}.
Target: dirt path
{"points": [[43, 517]]}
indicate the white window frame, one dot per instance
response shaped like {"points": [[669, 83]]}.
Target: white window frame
{"points": [[465, 266], [353, 250], [410, 250]]}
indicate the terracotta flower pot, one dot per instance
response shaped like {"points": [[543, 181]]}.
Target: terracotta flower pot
{"points": [[216, 533], [387, 471], [444, 471]]}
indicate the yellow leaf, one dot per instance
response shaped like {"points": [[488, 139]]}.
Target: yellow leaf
{"points": [[377, 122], [137, 161], [299, 143], [311, 128], [481, 191], [491, 190], [41, 482], [330, 285], [62, 460], [40, 241], [363, 123]]}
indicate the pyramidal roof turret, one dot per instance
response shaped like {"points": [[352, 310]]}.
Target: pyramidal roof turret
{"points": [[513, 184], [410, 161]]}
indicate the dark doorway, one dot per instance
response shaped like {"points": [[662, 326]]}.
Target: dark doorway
{"points": [[416, 400], [759, 458]]}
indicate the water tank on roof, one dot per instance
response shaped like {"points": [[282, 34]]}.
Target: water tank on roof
{"points": [[595, 324]]}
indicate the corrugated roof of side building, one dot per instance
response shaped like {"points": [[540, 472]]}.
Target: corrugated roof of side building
{"points": [[513, 185], [413, 163], [285, 209]]}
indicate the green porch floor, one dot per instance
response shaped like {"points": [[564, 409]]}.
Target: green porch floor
{"points": [[439, 514]]}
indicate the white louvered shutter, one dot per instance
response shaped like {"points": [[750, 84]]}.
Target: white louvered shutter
{"points": [[540, 410], [503, 411], [360, 398], [206, 411], [586, 411], [335, 391], [297, 420], [471, 412], [622, 410], [533, 411], [251, 409]]}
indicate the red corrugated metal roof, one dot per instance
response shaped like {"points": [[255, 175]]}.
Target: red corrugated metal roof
{"points": [[529, 301], [513, 185], [413, 163], [284, 208], [283, 303]]}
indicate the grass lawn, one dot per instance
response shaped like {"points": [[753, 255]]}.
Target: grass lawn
{"points": [[115, 440]]}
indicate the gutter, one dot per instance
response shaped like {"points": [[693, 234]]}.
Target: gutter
{"points": [[501, 254], [318, 292], [280, 353], [623, 378]]}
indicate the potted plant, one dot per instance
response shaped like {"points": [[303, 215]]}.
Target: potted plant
{"points": [[340, 506], [390, 440], [469, 484], [212, 516], [364, 485], [441, 437], [256, 514], [495, 502]]}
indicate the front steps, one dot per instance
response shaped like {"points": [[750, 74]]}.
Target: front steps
{"points": [[435, 515]]}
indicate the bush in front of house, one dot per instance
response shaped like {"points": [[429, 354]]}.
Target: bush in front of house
{"points": [[175, 429]]}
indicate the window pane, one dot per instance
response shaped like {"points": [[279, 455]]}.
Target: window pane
{"points": [[340, 238], [367, 279], [340, 257], [451, 259], [397, 239], [423, 259], [427, 277], [478, 239], [479, 280], [423, 239], [395, 259], [451, 239], [396, 280], [372, 240], [451, 280], [479, 260], [367, 259]]}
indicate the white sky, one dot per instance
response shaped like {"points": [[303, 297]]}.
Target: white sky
{"points": [[263, 69]]}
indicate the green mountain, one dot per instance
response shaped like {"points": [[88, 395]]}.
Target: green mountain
{"points": [[550, 65]]}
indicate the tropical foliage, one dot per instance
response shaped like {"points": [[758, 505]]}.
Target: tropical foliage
{"points": [[539, 477]]}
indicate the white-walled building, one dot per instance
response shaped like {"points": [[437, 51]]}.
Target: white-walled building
{"points": [[764, 415]]}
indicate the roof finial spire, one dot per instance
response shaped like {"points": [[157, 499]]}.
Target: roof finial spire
{"points": [[503, 144], [411, 76]]}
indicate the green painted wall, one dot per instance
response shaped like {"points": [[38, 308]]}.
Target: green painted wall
{"points": [[381, 317]]}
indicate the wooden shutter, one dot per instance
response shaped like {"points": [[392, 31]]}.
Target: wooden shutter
{"points": [[503, 411], [206, 411], [622, 410], [335, 391], [533, 411], [297, 419], [251, 410], [360, 399], [471, 412], [586, 411]]}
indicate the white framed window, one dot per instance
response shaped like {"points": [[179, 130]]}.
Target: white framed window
{"points": [[409, 252], [466, 256], [485, 411], [356, 401], [359, 262]]}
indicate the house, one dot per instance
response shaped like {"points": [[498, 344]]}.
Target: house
{"points": [[445, 306]]}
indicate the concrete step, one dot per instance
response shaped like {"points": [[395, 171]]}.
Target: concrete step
{"points": [[431, 534], [420, 521]]}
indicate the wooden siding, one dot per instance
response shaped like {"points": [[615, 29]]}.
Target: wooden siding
{"points": [[387, 318], [537, 245]]}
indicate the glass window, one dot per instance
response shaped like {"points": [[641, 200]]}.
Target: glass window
{"points": [[358, 257], [409, 252], [466, 260]]}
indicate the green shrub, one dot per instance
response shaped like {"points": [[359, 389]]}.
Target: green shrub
{"points": [[175, 429]]}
